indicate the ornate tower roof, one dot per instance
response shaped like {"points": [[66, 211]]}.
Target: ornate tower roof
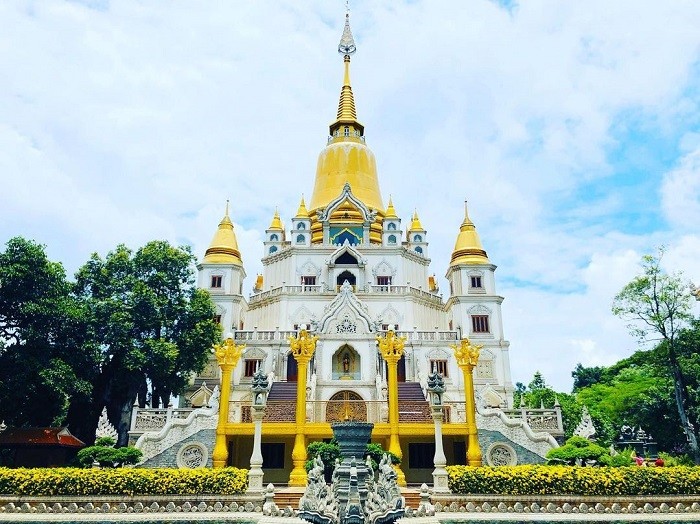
{"points": [[302, 212], [468, 249], [415, 222], [390, 211], [346, 158], [224, 246], [276, 224]]}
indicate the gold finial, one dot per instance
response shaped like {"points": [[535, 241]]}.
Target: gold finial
{"points": [[415, 222], [223, 248], [347, 45], [468, 248], [228, 353], [390, 211], [302, 212], [303, 345], [276, 223], [466, 353], [391, 346]]}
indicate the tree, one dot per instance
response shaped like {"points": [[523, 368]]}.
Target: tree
{"points": [[584, 377], [148, 324], [41, 328], [657, 307]]}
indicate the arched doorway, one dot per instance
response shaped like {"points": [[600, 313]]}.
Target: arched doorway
{"points": [[346, 406], [292, 369], [346, 275], [401, 369]]}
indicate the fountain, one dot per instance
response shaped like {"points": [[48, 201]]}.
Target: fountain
{"points": [[354, 497]]}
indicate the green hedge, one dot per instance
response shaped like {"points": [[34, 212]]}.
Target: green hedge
{"points": [[570, 480], [122, 481]]}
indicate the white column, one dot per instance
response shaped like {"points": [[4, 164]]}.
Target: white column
{"points": [[255, 474], [439, 460]]}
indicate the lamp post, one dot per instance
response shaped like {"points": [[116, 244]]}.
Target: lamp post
{"points": [[467, 356], [227, 355], [436, 387], [302, 347], [255, 474], [391, 349]]}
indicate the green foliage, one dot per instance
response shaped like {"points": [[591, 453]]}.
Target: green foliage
{"points": [[329, 451], [675, 460], [105, 441], [107, 456], [576, 448], [122, 481], [622, 459]]}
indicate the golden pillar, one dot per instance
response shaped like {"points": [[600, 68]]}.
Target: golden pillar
{"points": [[227, 355], [467, 356], [391, 349], [303, 347]]}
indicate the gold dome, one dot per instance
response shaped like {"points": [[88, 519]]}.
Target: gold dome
{"points": [[468, 248], [223, 248], [415, 222], [346, 159]]}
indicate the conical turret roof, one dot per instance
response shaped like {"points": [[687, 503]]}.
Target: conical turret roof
{"points": [[223, 248], [468, 248]]}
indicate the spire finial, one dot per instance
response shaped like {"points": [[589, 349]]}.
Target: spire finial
{"points": [[347, 42], [226, 207]]}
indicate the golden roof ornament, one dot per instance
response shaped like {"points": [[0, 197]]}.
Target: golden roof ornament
{"points": [[276, 223], [390, 211], [302, 212], [347, 45], [224, 246], [468, 248], [415, 222]]}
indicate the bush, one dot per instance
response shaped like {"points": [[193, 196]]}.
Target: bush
{"points": [[329, 451], [576, 449], [676, 460], [568, 480], [107, 456], [123, 481]]}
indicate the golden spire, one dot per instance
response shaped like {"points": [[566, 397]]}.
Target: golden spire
{"points": [[346, 160], [276, 223], [224, 246], [415, 222], [302, 212], [347, 115], [468, 249], [390, 211]]}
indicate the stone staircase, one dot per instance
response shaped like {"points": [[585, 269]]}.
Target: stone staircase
{"points": [[412, 404], [281, 402], [289, 496]]}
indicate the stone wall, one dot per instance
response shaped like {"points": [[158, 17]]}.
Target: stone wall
{"points": [[168, 457]]}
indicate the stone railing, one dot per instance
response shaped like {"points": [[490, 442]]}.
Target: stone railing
{"points": [[539, 419], [277, 335], [360, 290], [148, 419]]}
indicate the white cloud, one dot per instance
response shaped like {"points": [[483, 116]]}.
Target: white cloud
{"points": [[135, 121]]}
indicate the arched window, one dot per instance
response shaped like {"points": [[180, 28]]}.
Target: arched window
{"points": [[273, 249], [419, 250], [347, 130], [301, 225], [417, 238], [300, 239], [274, 237], [392, 239], [391, 226], [347, 259], [346, 275]]}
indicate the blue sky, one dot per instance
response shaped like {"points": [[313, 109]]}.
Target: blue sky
{"points": [[572, 128]]}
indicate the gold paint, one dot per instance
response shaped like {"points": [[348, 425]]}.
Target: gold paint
{"points": [[302, 212], [276, 224], [415, 222], [390, 211], [259, 282], [224, 246], [468, 249], [227, 355], [467, 356]]}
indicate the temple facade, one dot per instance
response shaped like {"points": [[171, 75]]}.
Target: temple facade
{"points": [[345, 269]]}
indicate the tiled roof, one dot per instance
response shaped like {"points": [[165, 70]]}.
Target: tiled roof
{"points": [[39, 437]]}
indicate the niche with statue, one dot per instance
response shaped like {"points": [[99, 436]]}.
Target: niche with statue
{"points": [[346, 364]]}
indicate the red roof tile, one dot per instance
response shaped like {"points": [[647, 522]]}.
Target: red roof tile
{"points": [[39, 437]]}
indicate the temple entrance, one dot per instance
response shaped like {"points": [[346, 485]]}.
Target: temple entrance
{"points": [[292, 370], [401, 369], [346, 406]]}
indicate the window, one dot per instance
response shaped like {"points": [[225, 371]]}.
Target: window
{"points": [[217, 319], [301, 225], [420, 455], [391, 226], [216, 280], [439, 366], [273, 249], [417, 238], [251, 365], [387, 327], [476, 282], [346, 130], [273, 455], [392, 239], [274, 237], [307, 282], [384, 283], [300, 239], [419, 250], [480, 323]]}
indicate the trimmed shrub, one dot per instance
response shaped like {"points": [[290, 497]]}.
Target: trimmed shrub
{"points": [[122, 481], [572, 480]]}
